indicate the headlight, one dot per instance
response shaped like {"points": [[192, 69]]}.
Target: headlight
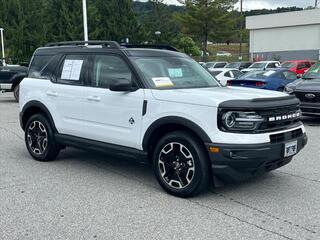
{"points": [[288, 90], [240, 121]]}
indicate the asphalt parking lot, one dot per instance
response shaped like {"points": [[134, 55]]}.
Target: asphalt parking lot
{"points": [[88, 195]]}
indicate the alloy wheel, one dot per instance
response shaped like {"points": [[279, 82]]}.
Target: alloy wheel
{"points": [[176, 165], [37, 137]]}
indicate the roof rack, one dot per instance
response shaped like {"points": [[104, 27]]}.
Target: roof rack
{"points": [[108, 44], [153, 46]]}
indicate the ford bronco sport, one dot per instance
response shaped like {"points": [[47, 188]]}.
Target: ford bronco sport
{"points": [[157, 104]]}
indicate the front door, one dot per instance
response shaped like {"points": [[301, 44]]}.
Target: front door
{"points": [[112, 117]]}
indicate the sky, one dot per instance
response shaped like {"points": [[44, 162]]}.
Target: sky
{"points": [[269, 4]]}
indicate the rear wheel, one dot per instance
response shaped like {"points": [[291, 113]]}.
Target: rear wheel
{"points": [[181, 164], [39, 139], [16, 91]]}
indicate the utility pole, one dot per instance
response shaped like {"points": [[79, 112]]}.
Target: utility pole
{"points": [[2, 47], [241, 26], [316, 4], [85, 22]]}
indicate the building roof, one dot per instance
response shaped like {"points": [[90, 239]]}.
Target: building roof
{"points": [[287, 19]]}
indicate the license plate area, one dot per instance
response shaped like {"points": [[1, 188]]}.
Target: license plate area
{"points": [[290, 148]]}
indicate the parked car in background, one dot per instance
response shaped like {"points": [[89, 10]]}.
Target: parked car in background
{"points": [[262, 65], [211, 65], [225, 74], [298, 66], [307, 89], [223, 54], [239, 65], [269, 79], [10, 78]]}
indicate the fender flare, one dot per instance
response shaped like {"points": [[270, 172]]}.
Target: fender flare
{"points": [[174, 120], [16, 79], [42, 107]]}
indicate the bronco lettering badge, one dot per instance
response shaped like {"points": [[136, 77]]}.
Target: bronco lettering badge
{"points": [[285, 117]]}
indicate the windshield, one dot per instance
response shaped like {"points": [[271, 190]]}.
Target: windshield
{"points": [[174, 72], [232, 65], [258, 65], [287, 65], [256, 75], [313, 72]]}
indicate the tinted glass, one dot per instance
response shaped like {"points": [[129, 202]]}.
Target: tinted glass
{"points": [[258, 65], [107, 68], [257, 75], [37, 64], [314, 72], [233, 65], [174, 72], [287, 65], [236, 73], [227, 74], [219, 65], [215, 73], [290, 75]]}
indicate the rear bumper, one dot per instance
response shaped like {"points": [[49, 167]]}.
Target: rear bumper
{"points": [[236, 162], [5, 86]]}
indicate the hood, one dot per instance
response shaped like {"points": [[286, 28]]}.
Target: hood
{"points": [[306, 85], [212, 96]]}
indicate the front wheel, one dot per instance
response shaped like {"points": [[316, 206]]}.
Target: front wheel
{"points": [[39, 139], [181, 164]]}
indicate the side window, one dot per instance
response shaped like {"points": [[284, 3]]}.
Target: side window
{"points": [[219, 65], [37, 64], [290, 75], [300, 66], [108, 67], [227, 74], [308, 64], [72, 69], [236, 73], [271, 65]]}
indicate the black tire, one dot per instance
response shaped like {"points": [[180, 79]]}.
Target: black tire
{"points": [[39, 139], [16, 91], [189, 165]]}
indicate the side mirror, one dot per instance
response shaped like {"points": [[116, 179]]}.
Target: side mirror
{"points": [[122, 85]]}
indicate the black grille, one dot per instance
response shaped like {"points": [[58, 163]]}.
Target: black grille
{"points": [[303, 97], [281, 137], [279, 124]]}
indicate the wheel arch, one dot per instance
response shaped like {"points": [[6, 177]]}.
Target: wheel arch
{"points": [[16, 80], [168, 124], [34, 107]]}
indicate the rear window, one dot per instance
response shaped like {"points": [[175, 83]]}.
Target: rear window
{"points": [[257, 75], [37, 64], [287, 65]]}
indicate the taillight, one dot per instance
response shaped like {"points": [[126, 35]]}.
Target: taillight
{"points": [[229, 83], [260, 84]]}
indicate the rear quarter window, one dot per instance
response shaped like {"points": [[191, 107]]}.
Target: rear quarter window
{"points": [[37, 64]]}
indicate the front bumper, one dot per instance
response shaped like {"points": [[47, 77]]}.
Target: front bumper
{"points": [[310, 109], [235, 162]]}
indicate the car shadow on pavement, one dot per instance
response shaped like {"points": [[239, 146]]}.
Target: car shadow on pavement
{"points": [[311, 121]]}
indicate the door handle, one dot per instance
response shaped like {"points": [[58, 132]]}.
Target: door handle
{"points": [[94, 98], [52, 94]]}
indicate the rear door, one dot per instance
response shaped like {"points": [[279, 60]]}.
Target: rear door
{"points": [[65, 95]]}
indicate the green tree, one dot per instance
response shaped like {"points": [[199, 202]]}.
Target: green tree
{"points": [[206, 19], [186, 45]]}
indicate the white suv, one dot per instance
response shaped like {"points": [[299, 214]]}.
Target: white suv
{"points": [[155, 104]]}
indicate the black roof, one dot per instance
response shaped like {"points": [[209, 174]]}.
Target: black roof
{"points": [[108, 46]]}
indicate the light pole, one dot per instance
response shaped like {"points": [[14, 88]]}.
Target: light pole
{"points": [[316, 4], [85, 21], [241, 26], [158, 34], [2, 47]]}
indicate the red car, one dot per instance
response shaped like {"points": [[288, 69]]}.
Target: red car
{"points": [[298, 66]]}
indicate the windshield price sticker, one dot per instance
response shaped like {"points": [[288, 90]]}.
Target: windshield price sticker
{"points": [[71, 70], [162, 82], [175, 72]]}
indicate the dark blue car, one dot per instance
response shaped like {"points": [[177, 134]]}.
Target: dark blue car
{"points": [[270, 79]]}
